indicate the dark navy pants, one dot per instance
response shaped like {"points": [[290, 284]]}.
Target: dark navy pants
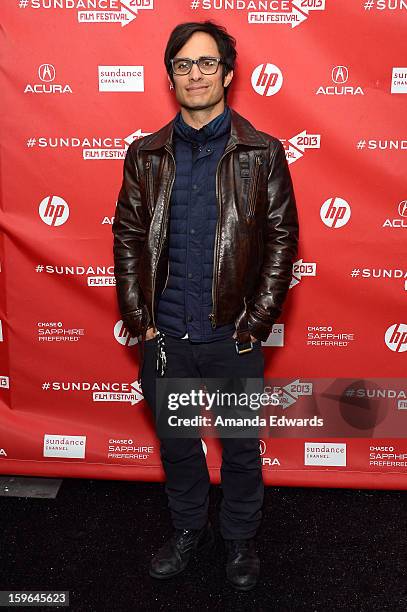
{"points": [[187, 477]]}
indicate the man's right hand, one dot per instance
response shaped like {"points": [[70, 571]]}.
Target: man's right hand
{"points": [[150, 333]]}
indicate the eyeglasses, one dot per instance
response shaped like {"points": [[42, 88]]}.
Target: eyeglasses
{"points": [[207, 65]]}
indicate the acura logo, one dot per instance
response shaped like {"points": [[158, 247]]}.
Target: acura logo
{"points": [[46, 72], [402, 209], [340, 74]]}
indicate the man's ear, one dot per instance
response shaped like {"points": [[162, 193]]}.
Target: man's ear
{"points": [[170, 82], [228, 78]]}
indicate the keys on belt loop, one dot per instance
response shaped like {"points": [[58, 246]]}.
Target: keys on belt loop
{"points": [[161, 354]]}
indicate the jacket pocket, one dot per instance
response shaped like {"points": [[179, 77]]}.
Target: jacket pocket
{"points": [[251, 200]]}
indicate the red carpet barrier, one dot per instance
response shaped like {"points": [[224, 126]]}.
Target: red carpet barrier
{"points": [[81, 79]]}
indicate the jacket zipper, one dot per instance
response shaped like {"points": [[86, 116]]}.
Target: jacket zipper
{"points": [[168, 195], [253, 191], [212, 315], [149, 185]]}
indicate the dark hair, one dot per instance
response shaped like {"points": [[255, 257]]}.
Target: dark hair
{"points": [[183, 32]]}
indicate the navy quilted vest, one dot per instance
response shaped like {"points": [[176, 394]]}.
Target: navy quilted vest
{"points": [[186, 302]]}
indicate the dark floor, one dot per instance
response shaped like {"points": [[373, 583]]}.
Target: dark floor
{"points": [[321, 549]]}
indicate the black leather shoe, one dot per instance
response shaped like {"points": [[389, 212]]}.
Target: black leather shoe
{"points": [[243, 564], [173, 557]]}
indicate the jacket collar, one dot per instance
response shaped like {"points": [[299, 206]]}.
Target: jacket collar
{"points": [[241, 132]]}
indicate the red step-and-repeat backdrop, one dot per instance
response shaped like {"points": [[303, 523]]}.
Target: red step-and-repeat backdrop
{"points": [[81, 80]]}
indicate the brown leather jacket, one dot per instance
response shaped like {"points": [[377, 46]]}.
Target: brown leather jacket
{"points": [[256, 235]]}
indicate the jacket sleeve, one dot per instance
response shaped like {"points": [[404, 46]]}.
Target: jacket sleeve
{"points": [[280, 248], [130, 231]]}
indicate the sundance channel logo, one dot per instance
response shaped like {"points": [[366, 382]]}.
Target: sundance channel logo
{"points": [[68, 447], [121, 78], [325, 453]]}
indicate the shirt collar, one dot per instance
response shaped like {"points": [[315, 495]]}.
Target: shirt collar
{"points": [[219, 125]]}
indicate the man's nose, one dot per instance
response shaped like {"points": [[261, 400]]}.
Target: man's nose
{"points": [[195, 72]]}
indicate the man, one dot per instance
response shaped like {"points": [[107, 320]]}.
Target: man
{"points": [[205, 234]]}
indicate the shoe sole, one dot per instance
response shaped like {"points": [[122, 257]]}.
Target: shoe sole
{"points": [[205, 548]]}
